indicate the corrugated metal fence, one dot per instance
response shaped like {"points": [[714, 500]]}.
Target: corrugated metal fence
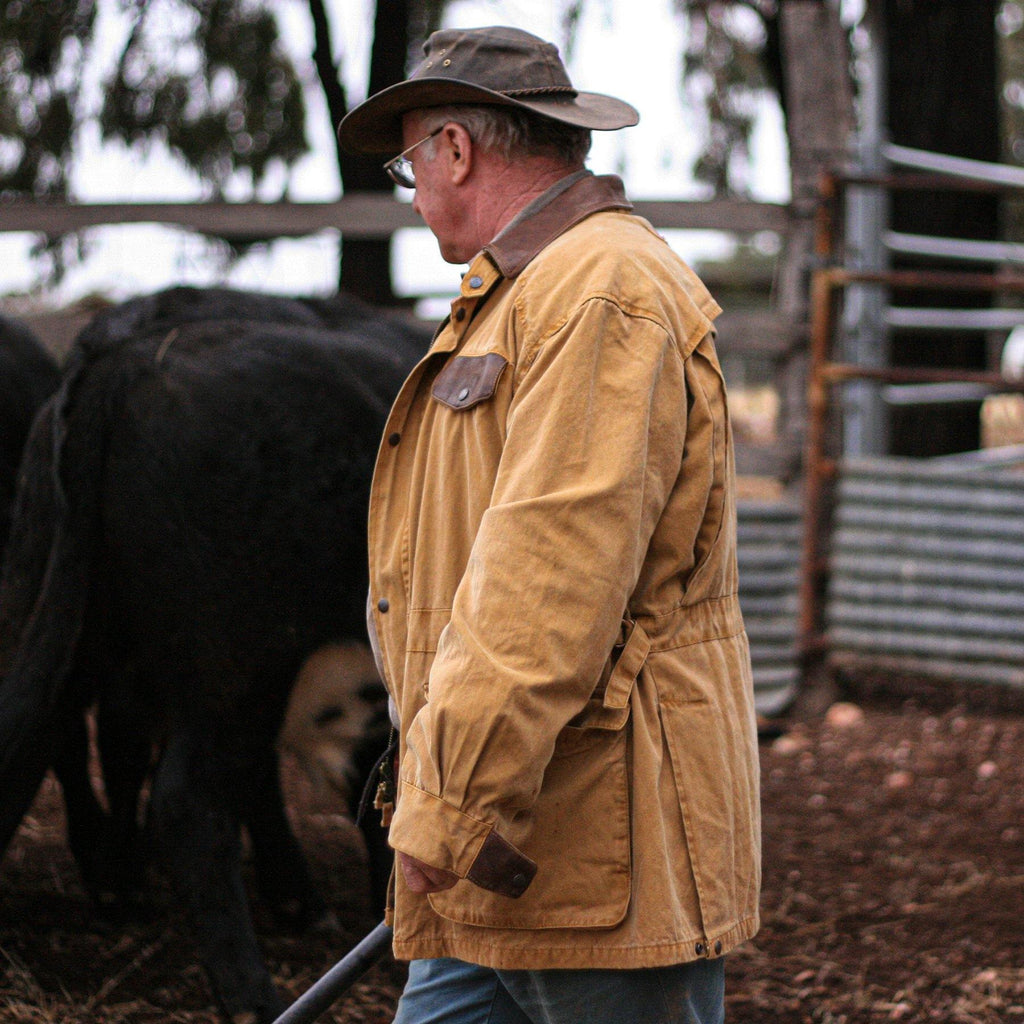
{"points": [[768, 552], [926, 572]]}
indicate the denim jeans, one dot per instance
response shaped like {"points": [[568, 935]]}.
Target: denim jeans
{"points": [[446, 991]]}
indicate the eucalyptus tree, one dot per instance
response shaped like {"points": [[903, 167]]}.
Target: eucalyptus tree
{"points": [[208, 81]]}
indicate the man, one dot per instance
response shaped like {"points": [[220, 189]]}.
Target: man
{"points": [[553, 575]]}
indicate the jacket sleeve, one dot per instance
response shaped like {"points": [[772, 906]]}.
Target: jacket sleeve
{"points": [[595, 442]]}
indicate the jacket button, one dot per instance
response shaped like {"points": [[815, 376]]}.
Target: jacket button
{"points": [[463, 394], [718, 948], [383, 605], [699, 949], [460, 314], [518, 881], [393, 439]]}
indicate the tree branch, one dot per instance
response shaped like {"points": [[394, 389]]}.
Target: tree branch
{"points": [[327, 71]]}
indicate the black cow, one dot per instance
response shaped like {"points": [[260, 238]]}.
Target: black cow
{"points": [[190, 531], [28, 376]]}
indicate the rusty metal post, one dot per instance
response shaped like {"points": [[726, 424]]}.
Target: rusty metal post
{"points": [[815, 466]]}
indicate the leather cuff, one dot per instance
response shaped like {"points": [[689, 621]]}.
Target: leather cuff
{"points": [[499, 867]]}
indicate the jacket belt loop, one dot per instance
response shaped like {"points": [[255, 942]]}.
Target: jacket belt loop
{"points": [[631, 659]]}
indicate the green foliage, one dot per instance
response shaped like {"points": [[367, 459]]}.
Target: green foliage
{"points": [[41, 58], [724, 71], [208, 79]]}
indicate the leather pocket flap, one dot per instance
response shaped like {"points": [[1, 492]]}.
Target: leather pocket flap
{"points": [[468, 380]]}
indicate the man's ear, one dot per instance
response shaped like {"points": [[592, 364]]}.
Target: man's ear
{"points": [[458, 152]]}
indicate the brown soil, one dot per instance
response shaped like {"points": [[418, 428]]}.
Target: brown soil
{"points": [[893, 891]]}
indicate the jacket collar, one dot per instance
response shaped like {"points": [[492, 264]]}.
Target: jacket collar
{"points": [[564, 204]]}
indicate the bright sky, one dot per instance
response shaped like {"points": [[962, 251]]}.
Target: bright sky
{"points": [[629, 50]]}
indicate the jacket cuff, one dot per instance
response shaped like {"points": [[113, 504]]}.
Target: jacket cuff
{"points": [[501, 868], [435, 832]]}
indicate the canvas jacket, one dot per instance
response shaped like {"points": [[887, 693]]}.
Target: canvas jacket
{"points": [[554, 601]]}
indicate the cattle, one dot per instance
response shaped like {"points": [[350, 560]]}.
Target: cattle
{"points": [[189, 538], [28, 376]]}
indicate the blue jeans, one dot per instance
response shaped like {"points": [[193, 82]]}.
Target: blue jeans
{"points": [[447, 991]]}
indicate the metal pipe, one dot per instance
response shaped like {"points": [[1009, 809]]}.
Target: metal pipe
{"points": [[341, 977], [838, 373], [942, 280], [814, 475], [944, 319], [976, 171], [954, 248]]}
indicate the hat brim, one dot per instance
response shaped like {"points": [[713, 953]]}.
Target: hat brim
{"points": [[375, 126]]}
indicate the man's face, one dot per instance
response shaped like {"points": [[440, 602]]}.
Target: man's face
{"points": [[437, 198]]}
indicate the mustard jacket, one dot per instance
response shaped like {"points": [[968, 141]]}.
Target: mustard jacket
{"points": [[554, 595]]}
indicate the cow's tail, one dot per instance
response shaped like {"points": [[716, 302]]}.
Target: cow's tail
{"points": [[43, 593]]}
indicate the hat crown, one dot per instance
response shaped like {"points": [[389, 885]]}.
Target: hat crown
{"points": [[505, 60], [504, 67]]}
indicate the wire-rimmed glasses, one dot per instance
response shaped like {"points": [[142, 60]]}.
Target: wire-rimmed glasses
{"points": [[399, 168]]}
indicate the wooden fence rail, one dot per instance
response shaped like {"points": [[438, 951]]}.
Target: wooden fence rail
{"points": [[358, 215]]}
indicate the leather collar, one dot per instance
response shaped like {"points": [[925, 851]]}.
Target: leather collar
{"points": [[552, 214]]}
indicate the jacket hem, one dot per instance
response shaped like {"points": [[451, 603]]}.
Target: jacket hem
{"points": [[535, 955]]}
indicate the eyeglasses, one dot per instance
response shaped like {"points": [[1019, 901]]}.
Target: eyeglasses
{"points": [[399, 168]]}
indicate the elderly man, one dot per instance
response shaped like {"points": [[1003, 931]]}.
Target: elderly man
{"points": [[553, 575]]}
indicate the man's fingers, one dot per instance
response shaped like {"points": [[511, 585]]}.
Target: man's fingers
{"points": [[422, 878]]}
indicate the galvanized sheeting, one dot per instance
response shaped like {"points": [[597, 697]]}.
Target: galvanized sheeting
{"points": [[926, 570], [769, 539]]}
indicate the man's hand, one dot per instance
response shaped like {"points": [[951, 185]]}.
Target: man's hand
{"points": [[422, 878]]}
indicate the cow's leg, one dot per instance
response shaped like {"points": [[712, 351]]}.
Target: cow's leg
{"points": [[125, 753], [86, 820], [281, 870], [199, 839]]}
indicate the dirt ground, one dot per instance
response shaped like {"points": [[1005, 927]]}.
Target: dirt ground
{"points": [[893, 889]]}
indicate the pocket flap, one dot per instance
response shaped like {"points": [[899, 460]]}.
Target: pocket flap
{"points": [[468, 380]]}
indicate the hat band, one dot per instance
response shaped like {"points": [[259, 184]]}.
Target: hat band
{"points": [[541, 90]]}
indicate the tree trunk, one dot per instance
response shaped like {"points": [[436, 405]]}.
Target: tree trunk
{"points": [[818, 98], [365, 263]]}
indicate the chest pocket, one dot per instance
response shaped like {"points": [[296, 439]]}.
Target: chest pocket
{"points": [[468, 380]]}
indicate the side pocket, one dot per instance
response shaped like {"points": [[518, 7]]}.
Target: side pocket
{"points": [[578, 833]]}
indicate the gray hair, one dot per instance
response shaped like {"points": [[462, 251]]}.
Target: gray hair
{"points": [[516, 133]]}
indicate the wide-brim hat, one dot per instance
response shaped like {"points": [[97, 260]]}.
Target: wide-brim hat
{"points": [[497, 66]]}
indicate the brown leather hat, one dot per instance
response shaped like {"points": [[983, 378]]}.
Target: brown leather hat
{"points": [[501, 66]]}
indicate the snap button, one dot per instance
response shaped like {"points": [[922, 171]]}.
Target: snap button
{"points": [[519, 881], [460, 313], [475, 281], [699, 949], [394, 438], [463, 394], [383, 604]]}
